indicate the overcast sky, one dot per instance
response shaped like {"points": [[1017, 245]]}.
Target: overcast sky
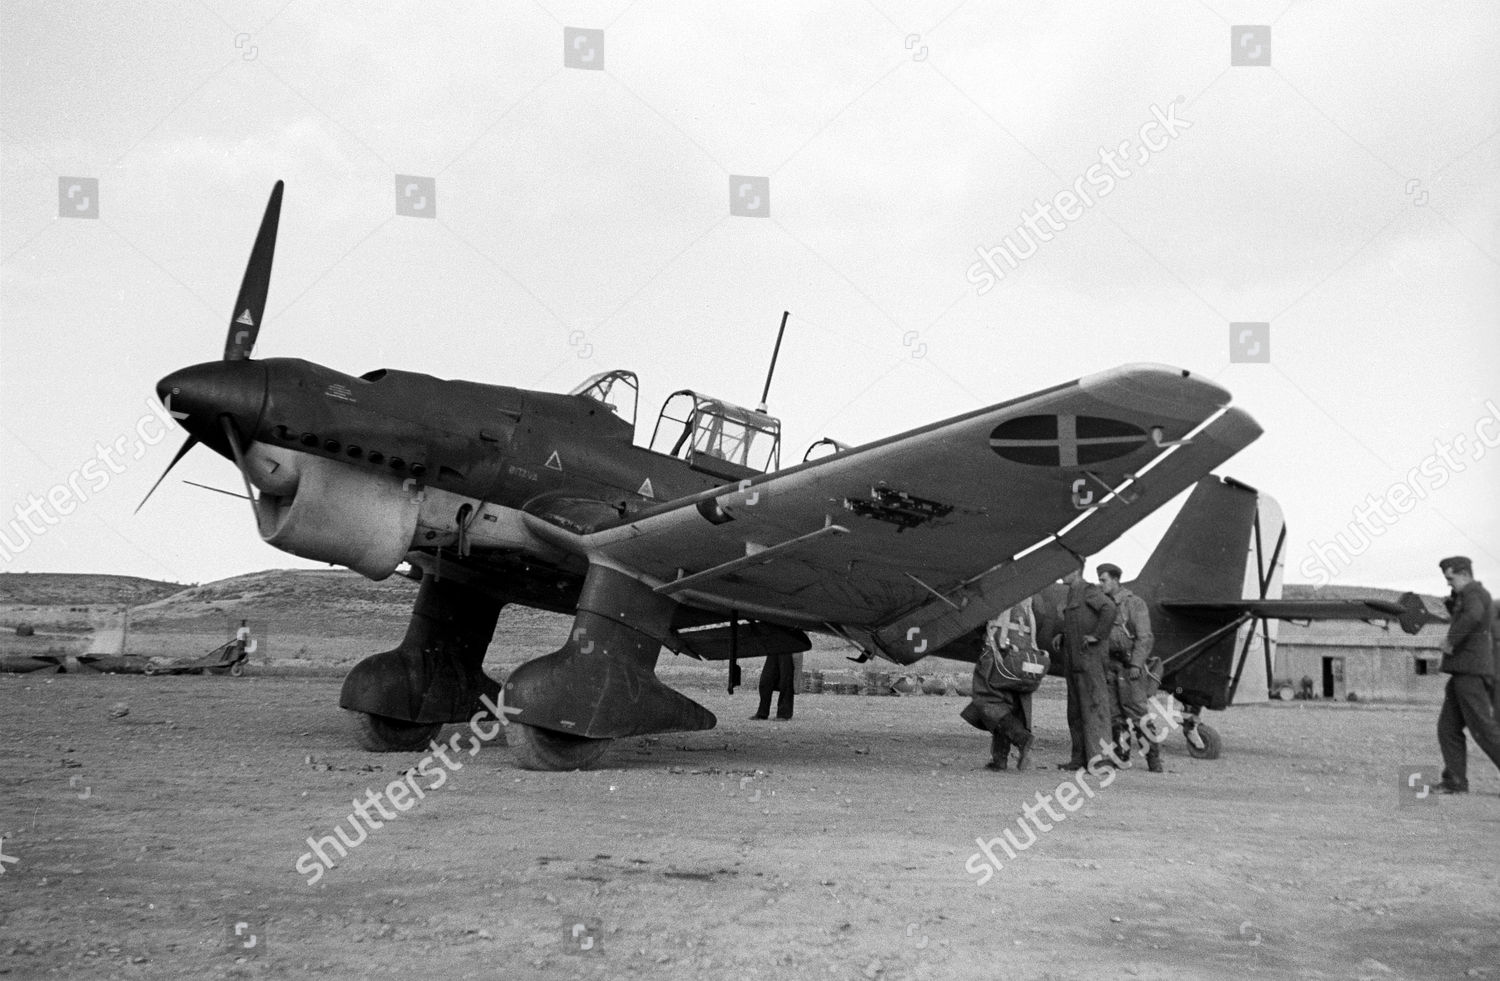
{"points": [[1346, 193]]}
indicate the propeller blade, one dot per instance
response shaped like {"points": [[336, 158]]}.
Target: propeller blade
{"points": [[192, 441], [250, 305], [239, 460], [216, 490]]}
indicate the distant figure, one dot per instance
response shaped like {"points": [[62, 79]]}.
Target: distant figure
{"points": [[1088, 617], [1001, 702], [1130, 642], [1469, 660], [778, 676]]}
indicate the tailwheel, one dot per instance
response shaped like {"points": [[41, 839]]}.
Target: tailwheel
{"points": [[237, 669], [545, 749], [1208, 737], [382, 734]]}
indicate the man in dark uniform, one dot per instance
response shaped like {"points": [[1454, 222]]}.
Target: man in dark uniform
{"points": [[777, 676], [1088, 617], [1469, 660], [1125, 676]]}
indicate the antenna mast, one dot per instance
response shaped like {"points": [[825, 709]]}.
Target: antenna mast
{"points": [[772, 370]]}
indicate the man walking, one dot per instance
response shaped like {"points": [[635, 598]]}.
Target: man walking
{"points": [[1088, 617], [1469, 660], [1125, 676]]}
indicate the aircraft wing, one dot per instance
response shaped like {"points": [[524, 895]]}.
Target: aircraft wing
{"points": [[1407, 610], [909, 542]]}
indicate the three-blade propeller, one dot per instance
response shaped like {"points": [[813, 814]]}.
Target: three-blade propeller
{"points": [[244, 325]]}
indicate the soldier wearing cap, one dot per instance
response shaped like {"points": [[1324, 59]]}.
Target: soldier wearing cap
{"points": [[1128, 684], [1469, 660]]}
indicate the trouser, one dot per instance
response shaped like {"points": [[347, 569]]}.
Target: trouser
{"points": [[1127, 703], [1010, 723], [1088, 709], [1468, 703], [777, 677]]}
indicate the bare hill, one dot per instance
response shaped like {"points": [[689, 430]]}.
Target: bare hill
{"points": [[80, 589]]}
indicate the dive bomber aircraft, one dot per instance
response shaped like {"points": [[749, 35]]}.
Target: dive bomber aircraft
{"points": [[701, 542]]}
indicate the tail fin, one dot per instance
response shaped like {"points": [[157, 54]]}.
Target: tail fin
{"points": [[1225, 544]]}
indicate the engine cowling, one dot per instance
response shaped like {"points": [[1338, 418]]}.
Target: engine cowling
{"points": [[330, 511]]}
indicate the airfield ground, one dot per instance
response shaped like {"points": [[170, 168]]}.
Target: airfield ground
{"points": [[831, 847]]}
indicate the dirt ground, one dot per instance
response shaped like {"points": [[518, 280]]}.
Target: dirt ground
{"points": [[833, 846]]}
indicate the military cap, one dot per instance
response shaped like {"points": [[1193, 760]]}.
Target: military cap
{"points": [[1111, 569], [1457, 563]]}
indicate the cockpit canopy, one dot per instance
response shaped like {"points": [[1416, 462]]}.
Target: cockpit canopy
{"points": [[717, 437], [617, 389]]}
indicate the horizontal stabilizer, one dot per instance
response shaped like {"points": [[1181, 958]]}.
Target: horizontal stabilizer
{"points": [[1407, 610]]}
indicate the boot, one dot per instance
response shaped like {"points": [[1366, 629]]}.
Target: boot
{"points": [[999, 752], [1023, 758], [1153, 750]]}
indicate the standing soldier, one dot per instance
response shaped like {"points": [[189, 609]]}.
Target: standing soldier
{"points": [[1469, 660], [776, 678], [1088, 617], [1129, 685]]}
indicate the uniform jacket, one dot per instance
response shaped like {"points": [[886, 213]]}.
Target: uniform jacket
{"points": [[1132, 629], [1087, 611], [1470, 611]]}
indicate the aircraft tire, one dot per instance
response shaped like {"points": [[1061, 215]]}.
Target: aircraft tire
{"points": [[237, 668], [544, 749], [1212, 744], [380, 734]]}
